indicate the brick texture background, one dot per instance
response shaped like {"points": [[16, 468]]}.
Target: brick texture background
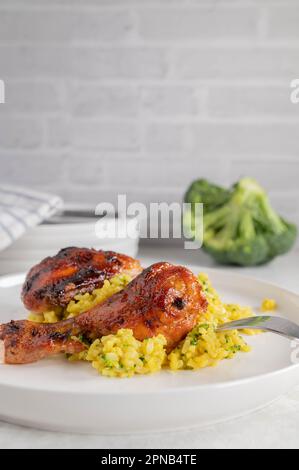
{"points": [[141, 97]]}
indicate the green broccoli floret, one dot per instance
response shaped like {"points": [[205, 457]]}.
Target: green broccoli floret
{"points": [[243, 229], [210, 194]]}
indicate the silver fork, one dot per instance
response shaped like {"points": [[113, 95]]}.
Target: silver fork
{"points": [[278, 325]]}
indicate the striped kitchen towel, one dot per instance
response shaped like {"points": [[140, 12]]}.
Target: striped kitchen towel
{"points": [[21, 209]]}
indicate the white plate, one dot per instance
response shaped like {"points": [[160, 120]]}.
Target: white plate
{"points": [[57, 395]]}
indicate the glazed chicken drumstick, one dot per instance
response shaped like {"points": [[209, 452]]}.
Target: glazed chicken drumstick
{"points": [[57, 279], [164, 299]]}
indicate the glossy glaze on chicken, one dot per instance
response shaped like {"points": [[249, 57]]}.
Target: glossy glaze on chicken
{"points": [[57, 279], [163, 299]]}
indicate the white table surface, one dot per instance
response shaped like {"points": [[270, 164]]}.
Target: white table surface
{"points": [[275, 426]]}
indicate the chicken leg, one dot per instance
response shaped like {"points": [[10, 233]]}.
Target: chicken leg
{"points": [[57, 279], [163, 299]]}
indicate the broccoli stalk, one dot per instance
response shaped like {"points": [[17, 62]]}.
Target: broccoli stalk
{"points": [[240, 226]]}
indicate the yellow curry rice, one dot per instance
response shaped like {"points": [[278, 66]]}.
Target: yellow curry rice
{"points": [[121, 355]]}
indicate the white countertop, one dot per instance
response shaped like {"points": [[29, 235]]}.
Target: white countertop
{"points": [[275, 426]]}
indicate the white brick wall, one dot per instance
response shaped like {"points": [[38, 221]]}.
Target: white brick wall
{"points": [[142, 96]]}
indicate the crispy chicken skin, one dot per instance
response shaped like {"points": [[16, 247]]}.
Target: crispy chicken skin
{"points": [[164, 299], [57, 279]]}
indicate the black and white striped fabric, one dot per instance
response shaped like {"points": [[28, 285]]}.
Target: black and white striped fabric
{"points": [[21, 209]]}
